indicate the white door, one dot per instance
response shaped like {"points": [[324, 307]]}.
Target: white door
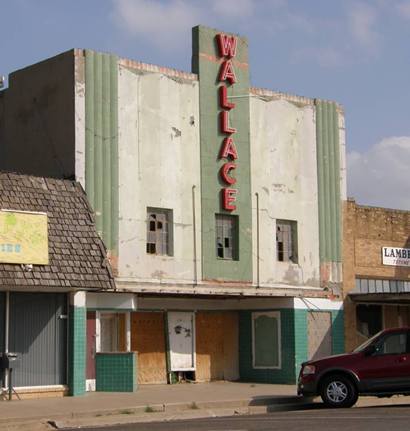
{"points": [[181, 335]]}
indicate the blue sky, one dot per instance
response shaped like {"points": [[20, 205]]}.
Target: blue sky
{"points": [[354, 52]]}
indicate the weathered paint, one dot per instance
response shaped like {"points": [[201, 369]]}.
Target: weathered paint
{"points": [[206, 62], [101, 143], [283, 169], [331, 187], [159, 166]]}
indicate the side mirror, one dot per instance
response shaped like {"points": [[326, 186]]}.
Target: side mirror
{"points": [[370, 350]]}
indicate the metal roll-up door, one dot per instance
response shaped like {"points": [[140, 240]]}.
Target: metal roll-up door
{"points": [[38, 331]]}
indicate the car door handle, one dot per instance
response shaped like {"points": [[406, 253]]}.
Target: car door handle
{"points": [[402, 359]]}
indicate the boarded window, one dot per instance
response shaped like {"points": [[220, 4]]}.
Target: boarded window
{"points": [[266, 340], [159, 231], [226, 237], [369, 319], [286, 241]]}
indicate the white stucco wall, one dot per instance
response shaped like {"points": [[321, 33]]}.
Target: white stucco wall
{"points": [[159, 163], [283, 173]]}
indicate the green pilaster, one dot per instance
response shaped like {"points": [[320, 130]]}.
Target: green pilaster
{"points": [[206, 63], [328, 166], [338, 334], [301, 339], [101, 143], [77, 350]]}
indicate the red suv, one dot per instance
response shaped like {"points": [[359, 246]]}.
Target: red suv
{"points": [[380, 366]]}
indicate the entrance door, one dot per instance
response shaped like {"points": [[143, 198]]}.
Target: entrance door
{"points": [[148, 339], [181, 334], [319, 334], [91, 349]]}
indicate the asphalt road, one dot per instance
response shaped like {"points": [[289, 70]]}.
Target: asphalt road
{"points": [[360, 419]]}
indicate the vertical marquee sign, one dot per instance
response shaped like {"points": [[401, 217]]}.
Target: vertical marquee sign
{"points": [[227, 51], [220, 60]]}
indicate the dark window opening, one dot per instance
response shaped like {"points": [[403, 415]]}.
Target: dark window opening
{"points": [[369, 319]]}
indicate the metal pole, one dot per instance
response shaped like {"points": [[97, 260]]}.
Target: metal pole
{"points": [[7, 374], [194, 233]]}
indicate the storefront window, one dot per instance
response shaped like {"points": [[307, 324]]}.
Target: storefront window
{"points": [[113, 332]]}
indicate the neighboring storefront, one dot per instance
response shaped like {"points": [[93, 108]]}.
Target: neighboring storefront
{"points": [[50, 256], [219, 203], [376, 271]]}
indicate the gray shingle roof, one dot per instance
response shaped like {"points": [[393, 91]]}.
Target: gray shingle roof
{"points": [[77, 256]]}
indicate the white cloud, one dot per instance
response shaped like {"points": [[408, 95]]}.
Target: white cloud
{"points": [[362, 22], [379, 176], [165, 24]]}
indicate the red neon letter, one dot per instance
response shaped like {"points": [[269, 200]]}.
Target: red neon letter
{"points": [[225, 172], [227, 45], [223, 98], [227, 72], [228, 149], [228, 196], [224, 120]]}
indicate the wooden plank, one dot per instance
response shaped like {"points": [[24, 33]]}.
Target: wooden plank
{"points": [[216, 346], [148, 339]]}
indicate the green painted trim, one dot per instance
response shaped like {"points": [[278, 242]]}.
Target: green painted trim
{"points": [[204, 42], [328, 172], [101, 143]]}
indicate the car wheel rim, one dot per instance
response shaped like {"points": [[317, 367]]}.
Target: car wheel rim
{"points": [[336, 392]]}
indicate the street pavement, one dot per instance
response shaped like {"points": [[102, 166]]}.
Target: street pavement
{"points": [[318, 419]]}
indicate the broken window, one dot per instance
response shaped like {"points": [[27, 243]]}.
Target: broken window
{"points": [[159, 231], [286, 241], [226, 237]]}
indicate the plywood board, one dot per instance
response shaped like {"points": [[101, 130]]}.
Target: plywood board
{"points": [[148, 339], [217, 346], [319, 334]]}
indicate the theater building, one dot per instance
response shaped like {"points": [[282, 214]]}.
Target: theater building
{"points": [[220, 204], [376, 271]]}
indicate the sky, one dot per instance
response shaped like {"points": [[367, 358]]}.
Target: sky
{"points": [[355, 52]]}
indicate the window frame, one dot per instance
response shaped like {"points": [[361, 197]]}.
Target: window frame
{"points": [[292, 251], [277, 316], [234, 238], [169, 231]]}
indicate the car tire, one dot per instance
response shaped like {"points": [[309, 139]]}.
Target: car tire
{"points": [[338, 391]]}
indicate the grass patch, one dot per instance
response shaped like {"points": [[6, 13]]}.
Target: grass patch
{"points": [[148, 409], [126, 412], [193, 406]]}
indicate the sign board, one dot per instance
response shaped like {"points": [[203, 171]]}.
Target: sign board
{"points": [[181, 331], [23, 237], [395, 256]]}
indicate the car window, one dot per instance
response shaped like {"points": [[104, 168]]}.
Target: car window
{"points": [[392, 344]]}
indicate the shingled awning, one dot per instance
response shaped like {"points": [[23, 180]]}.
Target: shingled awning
{"points": [[77, 255]]}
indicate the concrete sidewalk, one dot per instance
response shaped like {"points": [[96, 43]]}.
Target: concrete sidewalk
{"points": [[169, 399], [161, 402]]}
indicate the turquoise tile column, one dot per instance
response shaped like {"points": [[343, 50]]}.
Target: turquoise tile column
{"points": [[338, 332], [301, 339], [77, 344]]}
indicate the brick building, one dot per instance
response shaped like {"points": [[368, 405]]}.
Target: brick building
{"points": [[376, 271]]}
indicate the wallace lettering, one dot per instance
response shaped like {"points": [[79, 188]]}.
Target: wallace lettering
{"points": [[227, 51]]}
